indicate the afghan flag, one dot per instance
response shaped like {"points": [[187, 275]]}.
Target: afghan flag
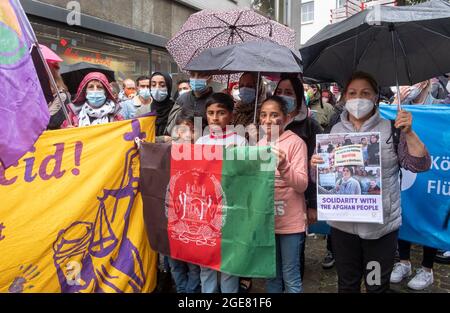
{"points": [[211, 206]]}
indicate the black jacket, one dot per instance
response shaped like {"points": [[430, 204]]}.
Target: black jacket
{"points": [[57, 119], [307, 129], [188, 105]]}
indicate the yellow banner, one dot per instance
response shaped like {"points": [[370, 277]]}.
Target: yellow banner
{"points": [[71, 216]]}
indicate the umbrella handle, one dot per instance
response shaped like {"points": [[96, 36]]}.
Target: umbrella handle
{"points": [[392, 30], [257, 96], [399, 106]]}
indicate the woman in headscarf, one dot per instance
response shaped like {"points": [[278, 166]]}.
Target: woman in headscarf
{"points": [[161, 91], [94, 103]]}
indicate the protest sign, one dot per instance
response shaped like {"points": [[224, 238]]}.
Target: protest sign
{"points": [[348, 189]]}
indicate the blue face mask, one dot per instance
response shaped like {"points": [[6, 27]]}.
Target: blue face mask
{"points": [[291, 103], [198, 85], [247, 95], [159, 94], [96, 98], [145, 93]]}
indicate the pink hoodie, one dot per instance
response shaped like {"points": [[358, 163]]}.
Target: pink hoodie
{"points": [[291, 180]]}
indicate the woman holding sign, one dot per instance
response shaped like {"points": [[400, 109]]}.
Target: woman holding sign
{"points": [[365, 249]]}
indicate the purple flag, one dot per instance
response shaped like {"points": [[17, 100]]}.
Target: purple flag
{"points": [[23, 108]]}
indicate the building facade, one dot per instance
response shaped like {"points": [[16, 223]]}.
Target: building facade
{"points": [[316, 14], [127, 36], [308, 17]]}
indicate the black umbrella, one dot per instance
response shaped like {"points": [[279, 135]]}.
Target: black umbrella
{"points": [[73, 74], [397, 45], [435, 4], [250, 56], [262, 57]]}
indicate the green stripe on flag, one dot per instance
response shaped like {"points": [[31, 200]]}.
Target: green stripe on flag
{"points": [[248, 234]]}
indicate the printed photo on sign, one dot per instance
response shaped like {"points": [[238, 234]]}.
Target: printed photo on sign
{"points": [[349, 180]]}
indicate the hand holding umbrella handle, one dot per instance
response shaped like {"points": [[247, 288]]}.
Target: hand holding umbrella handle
{"points": [[401, 95], [404, 121], [415, 146]]}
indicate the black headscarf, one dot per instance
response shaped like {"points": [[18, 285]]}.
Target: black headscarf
{"points": [[297, 85], [164, 107]]}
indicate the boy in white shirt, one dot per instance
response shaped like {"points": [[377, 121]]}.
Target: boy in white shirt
{"points": [[219, 113]]}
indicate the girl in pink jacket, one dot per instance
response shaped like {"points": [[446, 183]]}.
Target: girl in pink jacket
{"points": [[291, 180]]}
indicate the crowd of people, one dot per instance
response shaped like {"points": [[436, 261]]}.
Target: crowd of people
{"points": [[299, 112]]}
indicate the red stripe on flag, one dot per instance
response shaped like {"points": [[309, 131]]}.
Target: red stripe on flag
{"points": [[195, 206]]}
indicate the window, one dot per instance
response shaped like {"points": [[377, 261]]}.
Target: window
{"points": [[308, 12], [266, 7], [126, 59], [281, 12], [161, 61], [340, 3]]}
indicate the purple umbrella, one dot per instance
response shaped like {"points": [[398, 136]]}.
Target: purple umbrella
{"points": [[211, 29]]}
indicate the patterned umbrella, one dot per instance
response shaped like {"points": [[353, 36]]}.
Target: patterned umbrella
{"points": [[212, 29]]}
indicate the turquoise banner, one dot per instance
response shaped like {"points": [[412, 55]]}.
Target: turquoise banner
{"points": [[426, 196]]}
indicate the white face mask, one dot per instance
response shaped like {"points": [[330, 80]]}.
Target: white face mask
{"points": [[448, 86], [359, 107], [414, 93], [183, 91]]}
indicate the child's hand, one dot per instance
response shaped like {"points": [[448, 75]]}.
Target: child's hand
{"points": [[280, 154], [167, 139], [252, 132], [163, 139], [231, 145]]}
